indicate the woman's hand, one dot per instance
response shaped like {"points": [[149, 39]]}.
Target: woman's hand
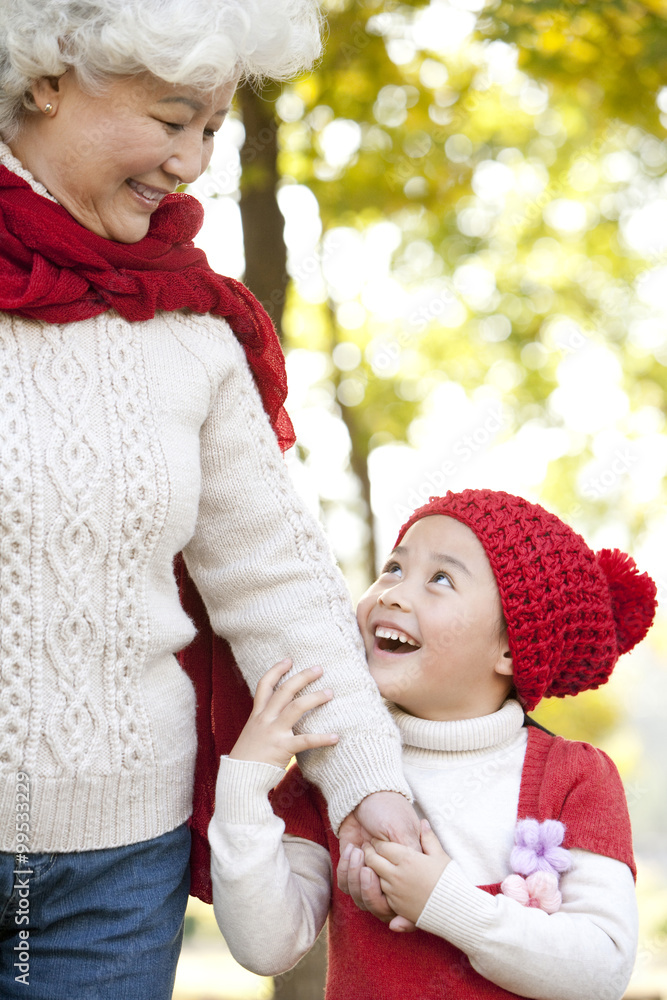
{"points": [[268, 735], [408, 877]]}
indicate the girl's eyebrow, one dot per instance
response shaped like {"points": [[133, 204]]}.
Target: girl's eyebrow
{"points": [[441, 557]]}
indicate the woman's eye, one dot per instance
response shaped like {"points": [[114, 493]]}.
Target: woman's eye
{"points": [[209, 133], [443, 578]]}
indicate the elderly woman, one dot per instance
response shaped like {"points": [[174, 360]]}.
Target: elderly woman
{"points": [[140, 414]]}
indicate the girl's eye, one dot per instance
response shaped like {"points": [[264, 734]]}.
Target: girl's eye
{"points": [[177, 127], [443, 578], [392, 568], [210, 133]]}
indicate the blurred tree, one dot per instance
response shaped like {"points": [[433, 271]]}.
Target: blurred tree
{"points": [[263, 222], [504, 164], [591, 716], [507, 148]]}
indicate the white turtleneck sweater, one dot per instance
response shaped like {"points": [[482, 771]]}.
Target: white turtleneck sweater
{"points": [[271, 891], [120, 445]]}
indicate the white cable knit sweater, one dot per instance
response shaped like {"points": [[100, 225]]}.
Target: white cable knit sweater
{"points": [[121, 444]]}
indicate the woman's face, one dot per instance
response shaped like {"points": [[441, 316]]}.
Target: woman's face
{"points": [[110, 158]]}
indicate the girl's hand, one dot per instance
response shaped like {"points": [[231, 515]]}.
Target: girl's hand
{"points": [[268, 735], [407, 877]]}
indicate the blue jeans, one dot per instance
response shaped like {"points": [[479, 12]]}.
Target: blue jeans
{"points": [[95, 925]]}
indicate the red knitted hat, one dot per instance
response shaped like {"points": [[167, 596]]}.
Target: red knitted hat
{"points": [[570, 612]]}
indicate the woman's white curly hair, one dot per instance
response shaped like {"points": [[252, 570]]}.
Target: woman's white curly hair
{"points": [[198, 43]]}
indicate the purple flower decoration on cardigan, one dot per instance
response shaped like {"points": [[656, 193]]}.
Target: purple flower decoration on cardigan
{"points": [[537, 847]]}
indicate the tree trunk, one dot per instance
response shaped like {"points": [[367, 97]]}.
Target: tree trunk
{"points": [[263, 222], [266, 276], [358, 461]]}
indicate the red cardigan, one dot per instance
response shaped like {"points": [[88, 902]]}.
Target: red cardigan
{"points": [[564, 780]]}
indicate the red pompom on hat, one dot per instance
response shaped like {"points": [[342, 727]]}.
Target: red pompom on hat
{"points": [[570, 612]]}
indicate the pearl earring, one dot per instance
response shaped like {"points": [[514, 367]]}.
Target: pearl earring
{"points": [[48, 108]]}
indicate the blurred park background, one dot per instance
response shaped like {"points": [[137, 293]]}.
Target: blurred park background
{"points": [[458, 222]]}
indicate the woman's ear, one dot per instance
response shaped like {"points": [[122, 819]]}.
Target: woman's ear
{"points": [[46, 94]]}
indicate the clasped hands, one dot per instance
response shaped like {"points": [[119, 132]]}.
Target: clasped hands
{"points": [[390, 863]]}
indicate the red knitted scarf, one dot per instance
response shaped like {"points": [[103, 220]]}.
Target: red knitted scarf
{"points": [[52, 269]]}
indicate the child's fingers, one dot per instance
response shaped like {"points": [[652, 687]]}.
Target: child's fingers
{"points": [[290, 689], [298, 707], [373, 897], [269, 680], [380, 865], [309, 741], [394, 853], [402, 925], [352, 880]]}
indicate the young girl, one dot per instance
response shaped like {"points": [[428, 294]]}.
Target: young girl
{"points": [[525, 885]]}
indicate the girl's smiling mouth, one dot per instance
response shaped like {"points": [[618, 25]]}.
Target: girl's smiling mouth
{"points": [[389, 639]]}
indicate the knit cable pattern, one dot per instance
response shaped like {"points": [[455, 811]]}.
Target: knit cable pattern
{"points": [[15, 517], [75, 547], [144, 510]]}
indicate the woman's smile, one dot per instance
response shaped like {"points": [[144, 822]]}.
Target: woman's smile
{"points": [[147, 195]]}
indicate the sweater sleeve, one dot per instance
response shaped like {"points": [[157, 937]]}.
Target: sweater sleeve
{"points": [[585, 949], [271, 893], [264, 570]]}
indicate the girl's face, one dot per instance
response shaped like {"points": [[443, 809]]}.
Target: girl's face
{"points": [[110, 158], [431, 625]]}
